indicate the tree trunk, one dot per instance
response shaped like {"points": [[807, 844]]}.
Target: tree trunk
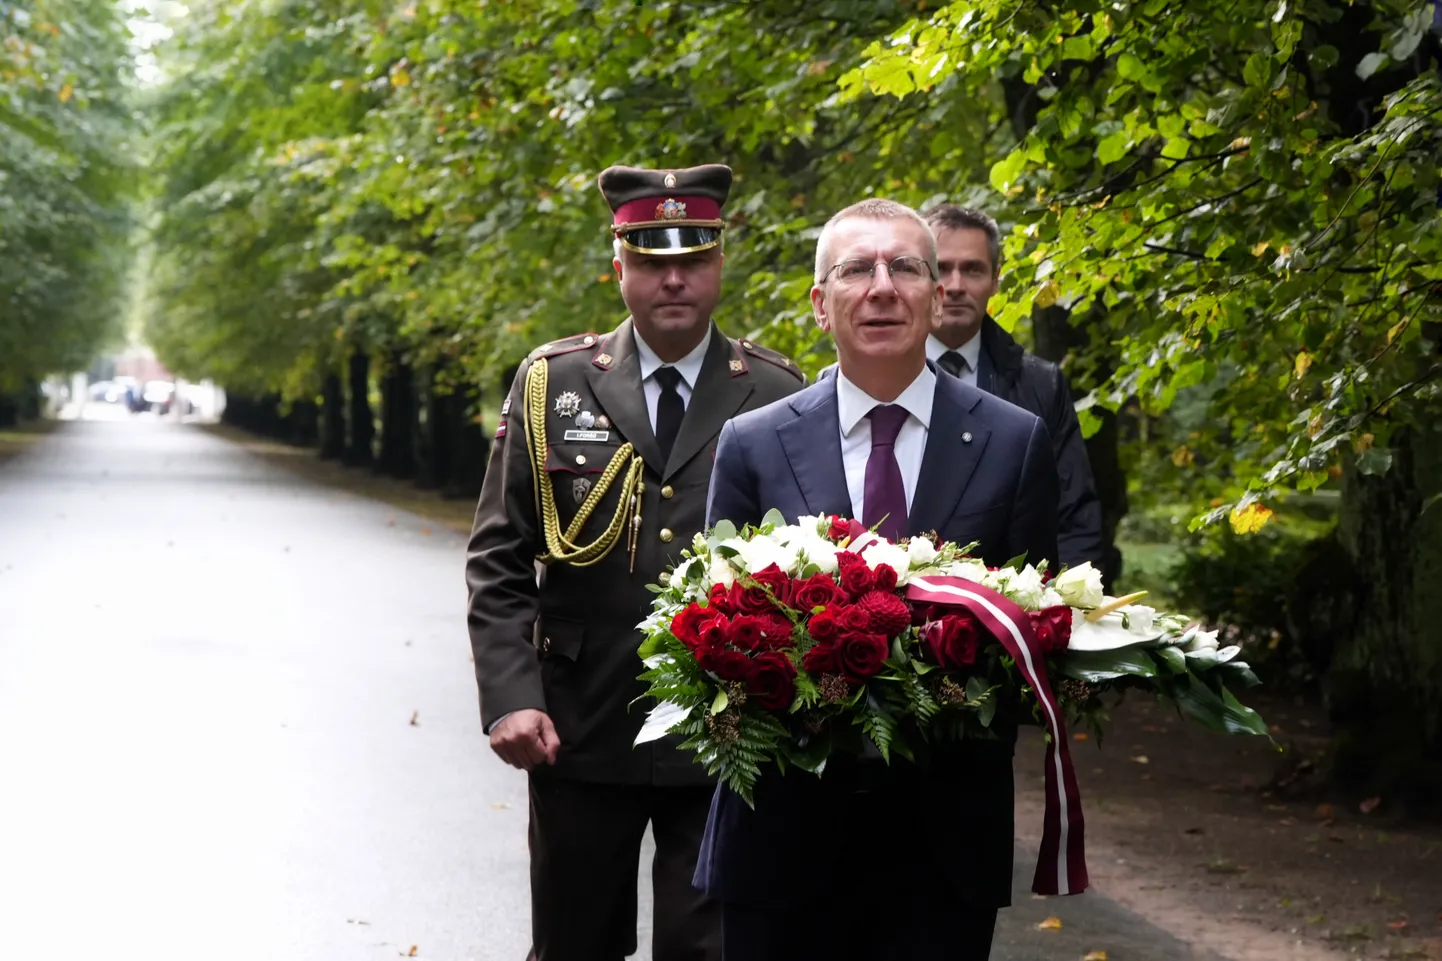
{"points": [[9, 411], [1054, 336], [433, 447], [470, 447], [302, 424], [1384, 689], [332, 432], [359, 444], [398, 420]]}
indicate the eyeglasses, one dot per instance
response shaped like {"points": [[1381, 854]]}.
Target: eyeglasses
{"points": [[903, 270]]}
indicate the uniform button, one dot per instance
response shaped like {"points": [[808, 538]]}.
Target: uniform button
{"points": [[666, 535], [545, 645], [668, 492], [665, 579], [589, 340], [580, 458]]}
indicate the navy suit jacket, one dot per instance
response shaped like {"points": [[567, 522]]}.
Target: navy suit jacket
{"points": [[987, 476]]}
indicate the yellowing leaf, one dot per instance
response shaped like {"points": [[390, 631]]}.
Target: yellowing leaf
{"points": [[1050, 924], [1250, 519], [1304, 361], [1095, 956], [1397, 328], [1260, 249], [66, 92], [1048, 294], [1183, 456]]}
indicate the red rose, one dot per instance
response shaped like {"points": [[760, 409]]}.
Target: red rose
{"points": [[852, 619], [923, 614], [772, 680], [822, 659], [1052, 626], [776, 631], [818, 590], [840, 528], [687, 623], [885, 576], [861, 655], [755, 599], [824, 626], [746, 631], [724, 599], [887, 613], [954, 640], [855, 576], [731, 666], [714, 633]]}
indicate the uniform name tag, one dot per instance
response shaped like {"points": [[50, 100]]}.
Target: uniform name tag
{"points": [[593, 436]]}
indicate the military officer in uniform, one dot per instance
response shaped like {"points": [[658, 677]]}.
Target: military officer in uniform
{"points": [[599, 472]]}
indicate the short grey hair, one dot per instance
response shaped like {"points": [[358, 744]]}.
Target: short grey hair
{"points": [[873, 208], [957, 217]]}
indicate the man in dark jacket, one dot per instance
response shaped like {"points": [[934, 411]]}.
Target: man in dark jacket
{"points": [[970, 345]]}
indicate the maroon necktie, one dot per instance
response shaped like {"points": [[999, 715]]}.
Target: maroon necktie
{"points": [[885, 492]]}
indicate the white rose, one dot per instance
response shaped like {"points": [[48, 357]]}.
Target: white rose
{"points": [[760, 553], [1050, 598], [721, 572], [820, 552], [921, 551], [1200, 640], [885, 552], [1081, 586], [1139, 618], [969, 568], [1023, 586], [698, 543]]}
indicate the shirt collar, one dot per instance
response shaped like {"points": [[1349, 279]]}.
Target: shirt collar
{"points": [[689, 367], [853, 403], [971, 350]]}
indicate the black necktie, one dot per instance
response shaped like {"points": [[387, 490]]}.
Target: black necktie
{"points": [[953, 363], [670, 409]]}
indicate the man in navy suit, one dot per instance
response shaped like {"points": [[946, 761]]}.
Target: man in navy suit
{"points": [[873, 861]]}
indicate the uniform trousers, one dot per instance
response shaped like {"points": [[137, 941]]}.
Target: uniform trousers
{"points": [[585, 841]]}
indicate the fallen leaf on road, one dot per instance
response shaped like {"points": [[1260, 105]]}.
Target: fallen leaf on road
{"points": [[390, 522], [416, 719], [500, 805], [1397, 925], [1288, 822], [1325, 812], [1095, 956], [412, 952], [426, 531], [1141, 759], [1081, 736], [1194, 831], [1369, 805], [1050, 924]]}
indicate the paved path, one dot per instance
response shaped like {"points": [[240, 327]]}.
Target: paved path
{"points": [[209, 672]]}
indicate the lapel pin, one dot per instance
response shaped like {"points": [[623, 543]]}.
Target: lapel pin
{"points": [[737, 366], [604, 359], [585, 420], [966, 437], [603, 422]]}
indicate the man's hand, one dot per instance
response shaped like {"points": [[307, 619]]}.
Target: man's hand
{"points": [[525, 739]]}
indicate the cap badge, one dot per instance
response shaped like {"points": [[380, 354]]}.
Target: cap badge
{"points": [[670, 181], [670, 209], [568, 403]]}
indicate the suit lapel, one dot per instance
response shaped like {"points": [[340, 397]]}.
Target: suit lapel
{"points": [[812, 442], [618, 387], [719, 393], [954, 447]]}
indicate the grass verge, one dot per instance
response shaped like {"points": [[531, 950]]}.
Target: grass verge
{"points": [[305, 462]]}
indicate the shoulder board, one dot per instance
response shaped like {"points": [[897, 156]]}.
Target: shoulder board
{"points": [[775, 358], [563, 346]]}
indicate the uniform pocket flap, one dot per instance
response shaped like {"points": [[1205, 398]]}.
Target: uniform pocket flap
{"points": [[561, 637], [579, 458]]}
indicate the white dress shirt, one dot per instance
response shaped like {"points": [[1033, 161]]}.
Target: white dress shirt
{"points": [[852, 406], [689, 367], [971, 351]]}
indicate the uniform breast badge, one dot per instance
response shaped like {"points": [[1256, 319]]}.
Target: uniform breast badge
{"points": [[568, 403], [580, 487], [585, 420]]}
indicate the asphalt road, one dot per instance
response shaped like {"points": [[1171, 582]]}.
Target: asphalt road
{"points": [[237, 721]]}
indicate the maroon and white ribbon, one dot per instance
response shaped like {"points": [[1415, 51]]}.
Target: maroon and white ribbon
{"points": [[1061, 865]]}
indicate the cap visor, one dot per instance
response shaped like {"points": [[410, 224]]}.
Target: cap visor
{"points": [[671, 240]]}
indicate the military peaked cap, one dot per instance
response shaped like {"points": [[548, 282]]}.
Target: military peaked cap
{"points": [[667, 211]]}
